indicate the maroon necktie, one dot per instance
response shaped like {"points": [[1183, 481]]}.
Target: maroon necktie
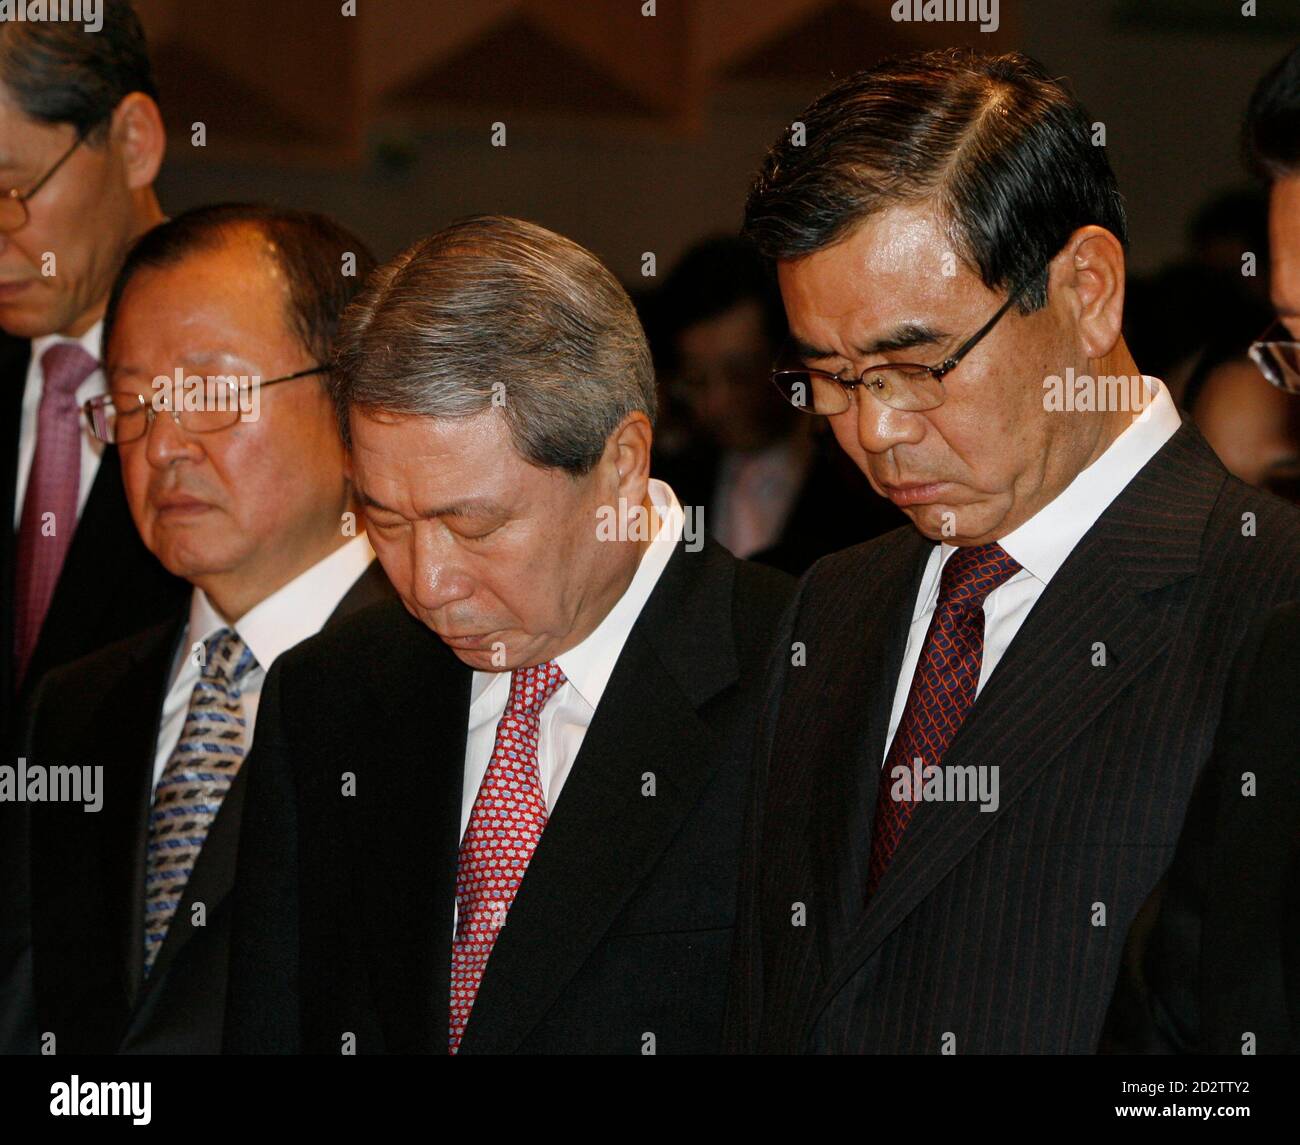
{"points": [[943, 687], [50, 506]]}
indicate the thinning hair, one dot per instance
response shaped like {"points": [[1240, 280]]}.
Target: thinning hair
{"points": [[496, 311], [310, 250], [1003, 150]]}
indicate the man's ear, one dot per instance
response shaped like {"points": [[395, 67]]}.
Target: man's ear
{"points": [[630, 445], [136, 131], [1088, 273]]}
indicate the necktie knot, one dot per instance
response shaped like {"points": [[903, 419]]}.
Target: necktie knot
{"points": [[972, 573], [530, 688], [65, 365], [227, 658]]}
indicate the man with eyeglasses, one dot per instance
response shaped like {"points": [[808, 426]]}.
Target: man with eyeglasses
{"points": [[236, 481], [1213, 960], [81, 142], [978, 752]]}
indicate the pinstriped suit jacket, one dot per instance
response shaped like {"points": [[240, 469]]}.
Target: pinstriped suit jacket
{"points": [[996, 932]]}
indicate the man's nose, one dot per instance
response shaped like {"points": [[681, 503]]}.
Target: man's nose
{"points": [[166, 441], [438, 579], [881, 427]]}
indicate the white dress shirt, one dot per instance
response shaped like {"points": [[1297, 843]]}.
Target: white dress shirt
{"points": [[1042, 544], [92, 387], [287, 617], [586, 667]]}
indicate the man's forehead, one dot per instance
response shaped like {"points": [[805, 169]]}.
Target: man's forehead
{"points": [[458, 454], [232, 280], [894, 272]]}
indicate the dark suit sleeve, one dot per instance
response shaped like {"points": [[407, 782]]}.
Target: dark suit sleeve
{"points": [[1157, 1004], [262, 1008], [745, 982]]}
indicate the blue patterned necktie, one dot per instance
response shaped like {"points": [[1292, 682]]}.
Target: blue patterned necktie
{"points": [[198, 774]]}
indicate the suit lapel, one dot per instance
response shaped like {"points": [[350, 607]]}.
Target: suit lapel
{"points": [[133, 708], [845, 795], [605, 834], [1117, 588]]}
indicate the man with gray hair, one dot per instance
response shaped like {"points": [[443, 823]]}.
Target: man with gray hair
{"points": [[562, 632]]}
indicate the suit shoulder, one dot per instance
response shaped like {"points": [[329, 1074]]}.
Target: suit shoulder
{"points": [[97, 668], [364, 633], [849, 564], [762, 586], [1236, 498]]}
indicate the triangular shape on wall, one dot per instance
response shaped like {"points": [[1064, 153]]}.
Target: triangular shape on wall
{"points": [[516, 67]]}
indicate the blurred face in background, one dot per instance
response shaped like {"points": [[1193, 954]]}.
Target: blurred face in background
{"points": [[724, 364], [500, 557], [85, 216], [242, 511]]}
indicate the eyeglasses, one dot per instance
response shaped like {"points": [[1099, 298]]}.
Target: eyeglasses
{"points": [[900, 385], [13, 203], [115, 423], [1277, 354]]}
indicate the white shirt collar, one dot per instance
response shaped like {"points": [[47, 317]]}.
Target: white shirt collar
{"points": [[293, 612], [1042, 544], [589, 665]]}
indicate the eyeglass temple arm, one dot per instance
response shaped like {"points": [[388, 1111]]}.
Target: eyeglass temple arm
{"points": [[968, 345]]}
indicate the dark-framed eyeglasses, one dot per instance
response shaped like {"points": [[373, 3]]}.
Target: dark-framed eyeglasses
{"points": [[899, 385], [13, 202], [1277, 354], [115, 421]]}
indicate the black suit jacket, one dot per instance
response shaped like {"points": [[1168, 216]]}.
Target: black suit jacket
{"points": [[997, 932], [622, 926], [87, 869], [1215, 954]]}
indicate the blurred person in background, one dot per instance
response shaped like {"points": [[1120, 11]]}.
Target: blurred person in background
{"points": [[81, 143]]}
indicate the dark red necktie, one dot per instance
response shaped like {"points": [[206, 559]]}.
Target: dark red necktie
{"points": [[49, 515], [943, 687]]}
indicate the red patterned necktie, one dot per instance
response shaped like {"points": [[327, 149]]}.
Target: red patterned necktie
{"points": [[943, 687], [50, 506], [504, 829]]}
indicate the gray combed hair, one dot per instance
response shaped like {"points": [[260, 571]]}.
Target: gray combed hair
{"points": [[490, 300]]}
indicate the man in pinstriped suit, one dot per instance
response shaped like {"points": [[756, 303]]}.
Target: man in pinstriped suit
{"points": [[1057, 626]]}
